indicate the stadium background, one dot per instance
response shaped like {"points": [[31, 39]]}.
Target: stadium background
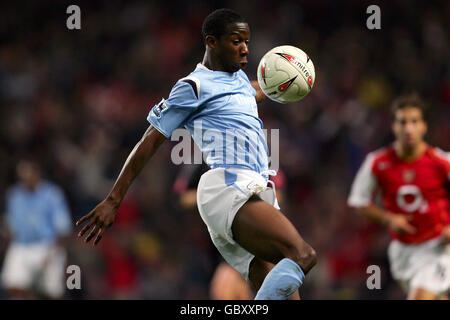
{"points": [[78, 100]]}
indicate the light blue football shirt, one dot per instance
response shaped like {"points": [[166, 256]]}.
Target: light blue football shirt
{"points": [[219, 110], [37, 216]]}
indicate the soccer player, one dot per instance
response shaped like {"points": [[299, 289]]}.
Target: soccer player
{"points": [[39, 222], [411, 177], [217, 104]]}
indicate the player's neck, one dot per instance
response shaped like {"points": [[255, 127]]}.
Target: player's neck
{"points": [[32, 187], [211, 63], [409, 153]]}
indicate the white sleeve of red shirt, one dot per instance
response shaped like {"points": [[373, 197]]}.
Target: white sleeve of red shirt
{"points": [[444, 155], [364, 185], [448, 159]]}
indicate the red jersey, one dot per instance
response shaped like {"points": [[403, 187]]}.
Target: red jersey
{"points": [[416, 189]]}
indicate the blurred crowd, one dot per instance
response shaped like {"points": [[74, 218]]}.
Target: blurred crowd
{"points": [[77, 100]]}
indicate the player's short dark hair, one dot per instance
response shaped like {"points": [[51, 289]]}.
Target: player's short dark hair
{"points": [[409, 100], [30, 159], [215, 24]]}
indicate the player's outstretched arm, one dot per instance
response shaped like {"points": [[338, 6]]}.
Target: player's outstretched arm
{"points": [[260, 96], [103, 215], [397, 222]]}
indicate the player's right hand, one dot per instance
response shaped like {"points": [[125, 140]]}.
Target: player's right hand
{"points": [[101, 218], [400, 223]]}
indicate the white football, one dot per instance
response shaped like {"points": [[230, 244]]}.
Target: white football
{"points": [[286, 74]]}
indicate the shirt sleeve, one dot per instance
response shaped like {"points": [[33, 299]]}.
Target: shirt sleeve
{"points": [[11, 219], [445, 156], [62, 220], [172, 113], [364, 185]]}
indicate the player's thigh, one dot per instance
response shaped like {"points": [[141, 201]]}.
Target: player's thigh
{"points": [[53, 273], [17, 272], [265, 232]]}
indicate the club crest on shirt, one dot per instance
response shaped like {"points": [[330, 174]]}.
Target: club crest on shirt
{"points": [[160, 107], [409, 175], [383, 165]]}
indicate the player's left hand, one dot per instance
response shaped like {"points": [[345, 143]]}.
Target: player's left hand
{"points": [[445, 235]]}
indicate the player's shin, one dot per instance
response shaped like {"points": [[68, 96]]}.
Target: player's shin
{"points": [[282, 281]]}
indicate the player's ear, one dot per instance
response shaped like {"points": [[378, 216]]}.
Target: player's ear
{"points": [[211, 41]]}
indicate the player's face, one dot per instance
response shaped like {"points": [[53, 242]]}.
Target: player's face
{"points": [[409, 126], [28, 173], [232, 47]]}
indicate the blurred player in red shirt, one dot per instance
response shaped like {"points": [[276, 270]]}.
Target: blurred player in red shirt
{"points": [[412, 177]]}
